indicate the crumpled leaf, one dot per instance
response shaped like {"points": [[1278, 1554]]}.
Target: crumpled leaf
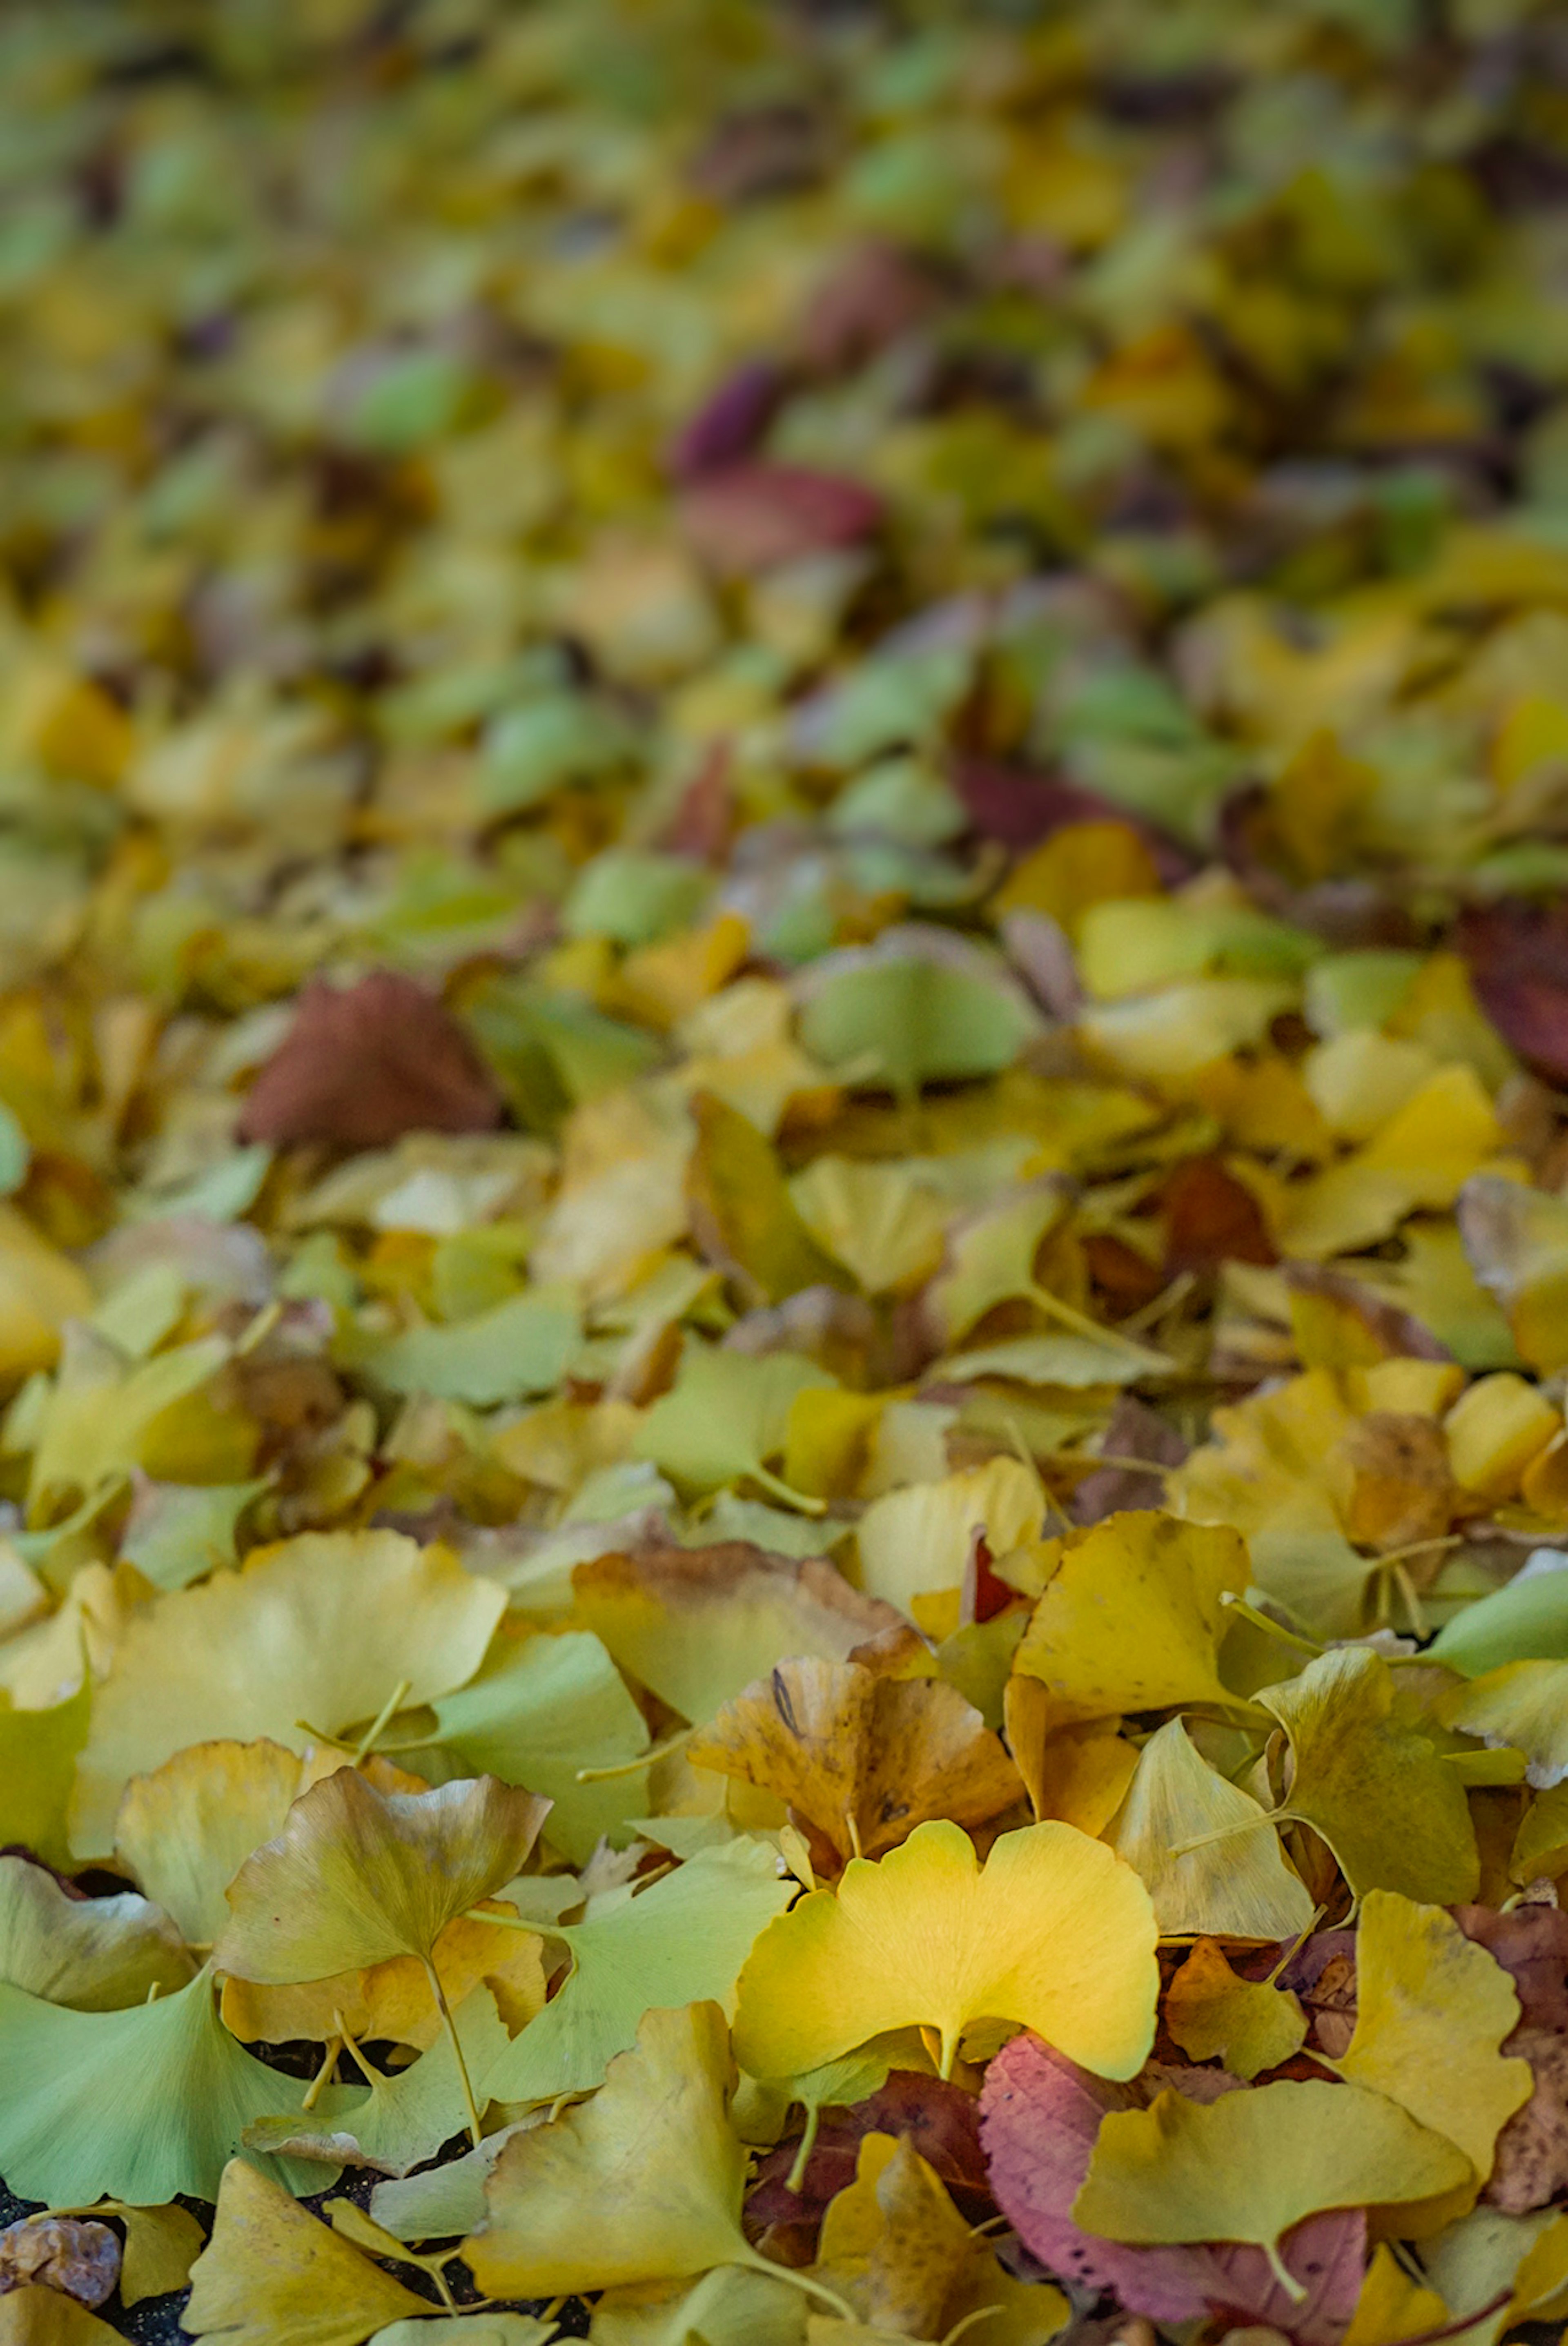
{"points": [[340, 1620], [1054, 1932], [895, 2245], [272, 2272], [363, 1064], [81, 2260], [865, 1758]]}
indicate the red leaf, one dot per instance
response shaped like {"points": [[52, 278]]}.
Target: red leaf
{"points": [[362, 1064], [1212, 1218], [1532, 1945], [750, 516], [730, 422], [1039, 2118], [1518, 957], [870, 300]]}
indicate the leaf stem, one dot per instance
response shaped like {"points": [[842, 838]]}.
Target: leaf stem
{"points": [[1296, 2290], [389, 1710], [802, 2281], [795, 2181], [334, 2046], [447, 2022]]}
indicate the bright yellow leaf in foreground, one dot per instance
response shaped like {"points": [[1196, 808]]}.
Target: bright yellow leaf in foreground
{"points": [[1054, 1932]]}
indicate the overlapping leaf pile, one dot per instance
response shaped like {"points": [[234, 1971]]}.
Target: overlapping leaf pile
{"points": [[784, 1281]]}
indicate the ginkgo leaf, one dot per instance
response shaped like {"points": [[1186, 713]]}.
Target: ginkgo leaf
{"points": [[1391, 1808], [866, 1758], [990, 1258], [36, 2315], [1055, 1933], [141, 2104], [95, 1955], [878, 1220], [1431, 2010], [1251, 2024], [537, 1713], [1132, 1617], [517, 1348], [272, 2275], [698, 1626], [487, 2328], [725, 1417], [743, 1220], [1517, 1241], [407, 2116], [893, 2243], [682, 1940], [326, 1627], [1526, 1620], [914, 1540], [1236, 1886], [910, 1019], [1251, 2165], [643, 2183], [1523, 1707], [731, 2306], [391, 2001], [1393, 2305], [357, 1876], [185, 1829], [38, 1754]]}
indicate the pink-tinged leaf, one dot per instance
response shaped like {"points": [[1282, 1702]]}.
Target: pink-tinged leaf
{"points": [[730, 422], [363, 1065], [1532, 1945], [750, 517], [1039, 2116]]}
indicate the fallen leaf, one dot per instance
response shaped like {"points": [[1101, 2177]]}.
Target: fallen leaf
{"points": [[271, 2272], [1250, 2024], [363, 1064], [1053, 1934]]}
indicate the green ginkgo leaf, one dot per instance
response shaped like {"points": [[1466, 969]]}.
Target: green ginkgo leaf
{"points": [[39, 1753], [905, 1021], [140, 2105], [539, 1712], [681, 1941], [516, 1348], [95, 1955], [725, 1417]]}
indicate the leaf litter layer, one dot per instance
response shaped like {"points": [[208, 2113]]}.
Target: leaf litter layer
{"points": [[784, 1173]]}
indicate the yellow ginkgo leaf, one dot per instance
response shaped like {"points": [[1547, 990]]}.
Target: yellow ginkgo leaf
{"points": [[1390, 1808], [1392, 2306], [1055, 1932], [866, 1758], [327, 1628], [1235, 1885], [1251, 2024], [877, 1219], [186, 1829], [1249, 2166], [917, 1539], [1431, 2010], [272, 2276], [893, 2243], [1132, 1617], [643, 2183], [357, 1876], [38, 2316], [392, 1999]]}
